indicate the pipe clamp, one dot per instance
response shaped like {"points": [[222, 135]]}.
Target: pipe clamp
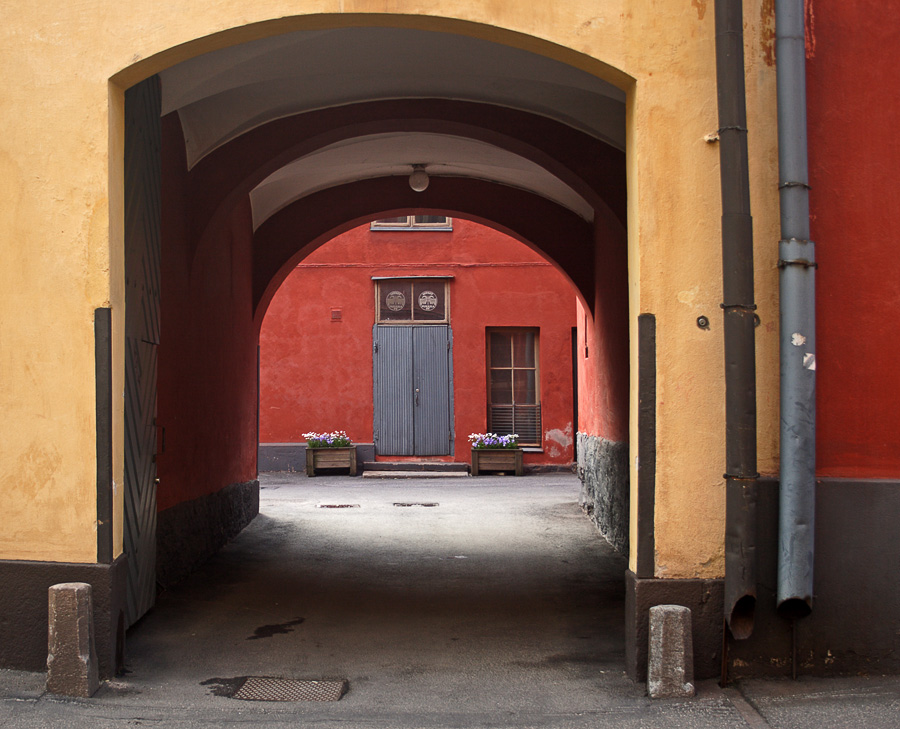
{"points": [[784, 263]]}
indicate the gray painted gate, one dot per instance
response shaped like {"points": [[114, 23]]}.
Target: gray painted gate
{"points": [[142, 280], [413, 404]]}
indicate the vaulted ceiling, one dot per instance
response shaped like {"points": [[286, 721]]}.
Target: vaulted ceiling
{"points": [[223, 95]]}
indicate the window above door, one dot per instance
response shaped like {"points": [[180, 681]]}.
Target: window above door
{"points": [[413, 222], [412, 301]]}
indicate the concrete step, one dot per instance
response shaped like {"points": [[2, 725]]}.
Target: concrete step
{"points": [[415, 474], [443, 467]]}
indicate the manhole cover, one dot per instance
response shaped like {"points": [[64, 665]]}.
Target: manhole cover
{"points": [[418, 503], [263, 688]]}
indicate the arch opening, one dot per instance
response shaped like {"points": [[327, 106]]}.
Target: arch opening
{"points": [[240, 207], [320, 353], [558, 235]]}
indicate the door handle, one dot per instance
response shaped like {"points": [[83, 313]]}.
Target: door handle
{"points": [[417, 397]]}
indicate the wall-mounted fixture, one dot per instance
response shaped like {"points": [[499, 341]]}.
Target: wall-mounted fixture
{"points": [[418, 180]]}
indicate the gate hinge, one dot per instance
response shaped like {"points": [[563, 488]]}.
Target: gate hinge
{"points": [[376, 346]]}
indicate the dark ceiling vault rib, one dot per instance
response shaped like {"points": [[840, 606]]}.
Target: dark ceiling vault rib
{"points": [[556, 232], [592, 168]]}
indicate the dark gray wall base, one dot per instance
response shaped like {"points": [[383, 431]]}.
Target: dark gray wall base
{"points": [[191, 532], [292, 456], [24, 612], [603, 470], [705, 598], [538, 468], [855, 622]]}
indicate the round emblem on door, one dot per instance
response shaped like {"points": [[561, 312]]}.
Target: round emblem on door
{"points": [[395, 300], [428, 301]]}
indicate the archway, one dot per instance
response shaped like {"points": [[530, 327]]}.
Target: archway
{"points": [[249, 187]]}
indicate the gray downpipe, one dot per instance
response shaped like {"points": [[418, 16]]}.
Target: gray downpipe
{"points": [[798, 325], [739, 321]]}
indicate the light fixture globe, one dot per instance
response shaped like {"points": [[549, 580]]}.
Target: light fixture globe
{"points": [[418, 180]]}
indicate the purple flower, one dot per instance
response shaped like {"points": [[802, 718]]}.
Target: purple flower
{"points": [[335, 439], [492, 440]]}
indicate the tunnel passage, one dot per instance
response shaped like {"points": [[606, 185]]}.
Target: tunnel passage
{"points": [[227, 242]]}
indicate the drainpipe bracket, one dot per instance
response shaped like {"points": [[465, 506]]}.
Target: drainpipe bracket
{"points": [[793, 183], [782, 263], [745, 307]]}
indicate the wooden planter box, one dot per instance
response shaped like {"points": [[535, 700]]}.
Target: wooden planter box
{"points": [[497, 459], [330, 458]]}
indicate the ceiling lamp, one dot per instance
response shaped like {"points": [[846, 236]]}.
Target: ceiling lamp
{"points": [[418, 180]]}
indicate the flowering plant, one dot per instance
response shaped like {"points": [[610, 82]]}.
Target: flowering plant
{"points": [[492, 440], [335, 439]]}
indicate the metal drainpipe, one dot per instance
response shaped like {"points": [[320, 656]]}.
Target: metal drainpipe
{"points": [[739, 322], [798, 335]]}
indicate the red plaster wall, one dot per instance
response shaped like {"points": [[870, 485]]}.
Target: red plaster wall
{"points": [[316, 374], [207, 351], [603, 346], [854, 106]]}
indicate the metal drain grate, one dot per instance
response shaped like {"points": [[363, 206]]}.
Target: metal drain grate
{"points": [[417, 503], [263, 688], [338, 506]]}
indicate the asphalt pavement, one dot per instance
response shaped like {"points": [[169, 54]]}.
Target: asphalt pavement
{"points": [[487, 602]]}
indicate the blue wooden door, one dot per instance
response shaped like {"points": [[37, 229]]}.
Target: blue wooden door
{"points": [[413, 403], [394, 405]]}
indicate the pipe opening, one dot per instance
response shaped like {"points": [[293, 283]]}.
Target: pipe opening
{"points": [[741, 619], [794, 608]]}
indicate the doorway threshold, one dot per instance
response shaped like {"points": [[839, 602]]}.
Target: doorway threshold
{"points": [[415, 474], [440, 467]]}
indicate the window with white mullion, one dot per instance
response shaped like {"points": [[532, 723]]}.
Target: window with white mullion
{"points": [[413, 222], [513, 384]]}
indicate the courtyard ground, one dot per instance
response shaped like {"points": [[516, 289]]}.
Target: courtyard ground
{"points": [[451, 602]]}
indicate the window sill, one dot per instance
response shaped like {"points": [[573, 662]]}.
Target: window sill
{"points": [[416, 229]]}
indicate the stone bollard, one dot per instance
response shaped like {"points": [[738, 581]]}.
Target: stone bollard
{"points": [[670, 674], [72, 658]]}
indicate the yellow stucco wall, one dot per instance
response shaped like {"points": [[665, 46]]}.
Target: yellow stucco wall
{"points": [[675, 270], [65, 66]]}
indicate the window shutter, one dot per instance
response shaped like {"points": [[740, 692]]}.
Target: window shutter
{"points": [[525, 420]]}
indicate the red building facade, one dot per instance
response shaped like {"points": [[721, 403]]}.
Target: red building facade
{"points": [[411, 336], [854, 203]]}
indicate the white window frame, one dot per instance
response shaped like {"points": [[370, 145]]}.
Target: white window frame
{"points": [[514, 408], [411, 224]]}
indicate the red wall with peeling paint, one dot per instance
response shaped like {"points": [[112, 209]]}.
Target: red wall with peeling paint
{"points": [[853, 79], [316, 373]]}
